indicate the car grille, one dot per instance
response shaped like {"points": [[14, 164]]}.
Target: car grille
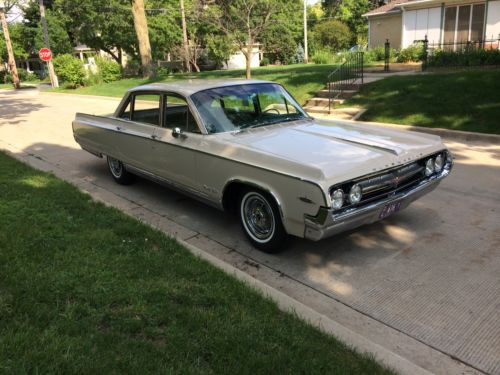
{"points": [[377, 187]]}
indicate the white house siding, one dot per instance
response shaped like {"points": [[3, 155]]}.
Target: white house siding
{"points": [[238, 60], [493, 20], [419, 23]]}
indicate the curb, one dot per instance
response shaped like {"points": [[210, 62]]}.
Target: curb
{"points": [[42, 92], [284, 302], [320, 321], [445, 133]]}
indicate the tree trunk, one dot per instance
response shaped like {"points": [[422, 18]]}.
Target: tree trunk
{"points": [[248, 56], [185, 38], [141, 29]]}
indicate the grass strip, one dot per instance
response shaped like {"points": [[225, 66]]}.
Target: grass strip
{"points": [[86, 289]]}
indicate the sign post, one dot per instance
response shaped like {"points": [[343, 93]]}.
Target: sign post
{"points": [[53, 78], [45, 54]]}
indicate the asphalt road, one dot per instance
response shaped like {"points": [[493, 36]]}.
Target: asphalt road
{"points": [[425, 283]]}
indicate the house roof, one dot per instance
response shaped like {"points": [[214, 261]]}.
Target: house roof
{"points": [[392, 7]]}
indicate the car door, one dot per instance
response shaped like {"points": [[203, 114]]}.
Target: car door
{"points": [[176, 144], [135, 134]]}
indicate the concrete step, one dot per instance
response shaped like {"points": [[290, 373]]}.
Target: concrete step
{"points": [[346, 94], [346, 86], [322, 102], [316, 109]]}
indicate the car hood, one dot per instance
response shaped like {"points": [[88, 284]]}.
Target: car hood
{"points": [[332, 151]]}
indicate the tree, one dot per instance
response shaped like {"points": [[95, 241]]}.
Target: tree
{"points": [[279, 43], [332, 35], [219, 50], [351, 13], [141, 30], [242, 22], [100, 24], [31, 30]]}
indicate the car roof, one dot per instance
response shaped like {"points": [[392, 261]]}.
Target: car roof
{"points": [[188, 87]]}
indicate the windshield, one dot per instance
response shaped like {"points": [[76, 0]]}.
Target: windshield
{"points": [[240, 107]]}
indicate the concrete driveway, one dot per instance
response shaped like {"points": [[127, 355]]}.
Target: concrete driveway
{"points": [[424, 283]]}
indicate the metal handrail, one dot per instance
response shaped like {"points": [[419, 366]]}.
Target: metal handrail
{"points": [[351, 70]]}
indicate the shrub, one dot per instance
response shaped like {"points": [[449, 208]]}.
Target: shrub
{"points": [[70, 70], [264, 61], [322, 57], [299, 54], [26, 76], [465, 57], [108, 70], [414, 53], [23, 74], [332, 35]]}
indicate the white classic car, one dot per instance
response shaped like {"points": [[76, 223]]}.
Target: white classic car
{"points": [[247, 147]]}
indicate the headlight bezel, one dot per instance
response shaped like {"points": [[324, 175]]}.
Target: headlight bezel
{"points": [[439, 167], [358, 194], [334, 193], [429, 167]]}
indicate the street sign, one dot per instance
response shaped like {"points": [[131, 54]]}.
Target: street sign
{"points": [[45, 54]]}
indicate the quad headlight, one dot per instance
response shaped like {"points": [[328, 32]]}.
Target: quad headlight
{"points": [[429, 167], [439, 163], [355, 194], [337, 199]]}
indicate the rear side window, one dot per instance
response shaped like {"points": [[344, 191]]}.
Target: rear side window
{"points": [[146, 109]]}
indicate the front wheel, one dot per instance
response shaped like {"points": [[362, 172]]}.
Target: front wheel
{"points": [[261, 222], [119, 172]]}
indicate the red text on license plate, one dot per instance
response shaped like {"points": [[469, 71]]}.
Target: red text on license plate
{"points": [[390, 209]]}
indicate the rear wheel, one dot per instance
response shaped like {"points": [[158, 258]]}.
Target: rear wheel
{"points": [[119, 172], [261, 221]]}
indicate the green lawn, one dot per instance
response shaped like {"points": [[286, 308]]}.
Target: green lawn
{"points": [[303, 81], [86, 289], [465, 100]]}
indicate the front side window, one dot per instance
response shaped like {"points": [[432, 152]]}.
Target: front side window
{"points": [[246, 106], [178, 115]]}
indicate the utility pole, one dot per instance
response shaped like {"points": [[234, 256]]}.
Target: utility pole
{"points": [[306, 53], [52, 74], [185, 37], [12, 61]]}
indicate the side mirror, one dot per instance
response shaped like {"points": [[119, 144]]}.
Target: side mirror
{"points": [[177, 133]]}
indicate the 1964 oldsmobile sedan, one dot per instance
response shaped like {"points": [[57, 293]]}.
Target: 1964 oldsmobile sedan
{"points": [[248, 147]]}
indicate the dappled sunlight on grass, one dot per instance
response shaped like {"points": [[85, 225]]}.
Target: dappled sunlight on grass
{"points": [[36, 181], [467, 101]]}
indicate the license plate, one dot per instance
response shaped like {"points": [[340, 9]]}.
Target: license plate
{"points": [[389, 209]]}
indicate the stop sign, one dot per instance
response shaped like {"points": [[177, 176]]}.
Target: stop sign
{"points": [[45, 54]]}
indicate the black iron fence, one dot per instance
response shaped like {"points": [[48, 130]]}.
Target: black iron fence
{"points": [[345, 75], [459, 54]]}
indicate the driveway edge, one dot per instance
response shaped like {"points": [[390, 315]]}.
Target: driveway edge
{"points": [[284, 302], [458, 135]]}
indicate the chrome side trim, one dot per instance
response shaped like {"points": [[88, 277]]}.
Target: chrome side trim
{"points": [[124, 131], [195, 194]]}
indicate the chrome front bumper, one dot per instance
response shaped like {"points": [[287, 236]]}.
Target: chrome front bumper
{"points": [[327, 223]]}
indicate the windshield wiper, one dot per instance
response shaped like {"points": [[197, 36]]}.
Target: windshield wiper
{"points": [[282, 119]]}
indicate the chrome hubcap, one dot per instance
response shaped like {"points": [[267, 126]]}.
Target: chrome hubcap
{"points": [[115, 166], [258, 217]]}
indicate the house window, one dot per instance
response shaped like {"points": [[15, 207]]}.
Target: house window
{"points": [[464, 23]]}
